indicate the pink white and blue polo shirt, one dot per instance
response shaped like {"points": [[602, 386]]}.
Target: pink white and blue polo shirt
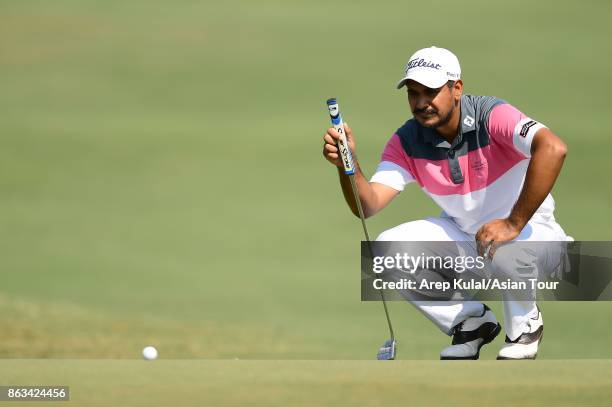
{"points": [[480, 175]]}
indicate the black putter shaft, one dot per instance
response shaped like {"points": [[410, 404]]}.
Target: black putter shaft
{"points": [[349, 170], [367, 236]]}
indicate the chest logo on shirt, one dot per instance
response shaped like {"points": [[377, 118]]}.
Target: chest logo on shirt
{"points": [[478, 165], [468, 121], [526, 127]]}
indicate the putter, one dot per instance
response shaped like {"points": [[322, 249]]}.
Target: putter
{"points": [[388, 349]]}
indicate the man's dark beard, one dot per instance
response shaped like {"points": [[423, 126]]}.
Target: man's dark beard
{"points": [[442, 121]]}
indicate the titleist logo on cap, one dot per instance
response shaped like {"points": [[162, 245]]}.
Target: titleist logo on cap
{"points": [[420, 62]]}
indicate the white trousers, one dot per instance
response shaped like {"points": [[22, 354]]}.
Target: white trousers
{"points": [[447, 314]]}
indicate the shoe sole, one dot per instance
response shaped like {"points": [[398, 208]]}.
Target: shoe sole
{"points": [[492, 334], [529, 358]]}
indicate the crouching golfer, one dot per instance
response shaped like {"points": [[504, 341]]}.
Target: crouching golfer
{"points": [[490, 168]]}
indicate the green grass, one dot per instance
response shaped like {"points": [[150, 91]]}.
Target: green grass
{"points": [[162, 183], [320, 383]]}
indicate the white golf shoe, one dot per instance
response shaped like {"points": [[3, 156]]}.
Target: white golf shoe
{"points": [[526, 345], [470, 335]]}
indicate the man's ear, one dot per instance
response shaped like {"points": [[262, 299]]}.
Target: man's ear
{"points": [[458, 90]]}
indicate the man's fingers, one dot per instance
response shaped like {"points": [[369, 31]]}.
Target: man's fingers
{"points": [[480, 248], [488, 250], [483, 249], [480, 232], [332, 139], [329, 139], [330, 148], [482, 241], [484, 246], [329, 155], [493, 249], [333, 133]]}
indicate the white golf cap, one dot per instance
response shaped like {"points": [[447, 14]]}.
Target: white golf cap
{"points": [[432, 67]]}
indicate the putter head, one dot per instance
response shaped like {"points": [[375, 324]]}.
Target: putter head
{"points": [[387, 350]]}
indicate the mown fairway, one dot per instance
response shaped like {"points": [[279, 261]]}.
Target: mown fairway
{"points": [[320, 383], [162, 183]]}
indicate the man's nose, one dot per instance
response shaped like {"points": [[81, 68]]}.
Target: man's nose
{"points": [[421, 103]]}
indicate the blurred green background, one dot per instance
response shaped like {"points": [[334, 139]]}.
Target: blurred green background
{"points": [[162, 182]]}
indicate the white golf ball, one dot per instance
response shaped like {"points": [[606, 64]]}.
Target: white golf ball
{"points": [[149, 353]]}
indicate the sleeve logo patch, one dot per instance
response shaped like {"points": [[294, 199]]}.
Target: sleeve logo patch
{"points": [[526, 127]]}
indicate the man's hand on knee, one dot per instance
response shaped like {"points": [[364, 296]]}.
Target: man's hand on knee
{"points": [[492, 234]]}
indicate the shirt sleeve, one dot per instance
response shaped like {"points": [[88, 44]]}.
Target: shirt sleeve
{"points": [[393, 169], [509, 126]]}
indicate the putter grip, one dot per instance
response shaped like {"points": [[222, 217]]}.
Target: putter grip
{"points": [[345, 151]]}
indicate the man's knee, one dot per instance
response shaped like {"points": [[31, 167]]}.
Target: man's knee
{"points": [[390, 235], [515, 261], [419, 230]]}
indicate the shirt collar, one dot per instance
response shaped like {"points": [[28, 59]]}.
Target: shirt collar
{"points": [[431, 136]]}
